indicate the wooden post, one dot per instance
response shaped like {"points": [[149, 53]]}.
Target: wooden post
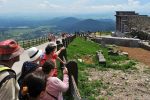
{"points": [[38, 40], [64, 42], [73, 80], [23, 44], [63, 54], [68, 40], [28, 43], [73, 70], [46, 39]]}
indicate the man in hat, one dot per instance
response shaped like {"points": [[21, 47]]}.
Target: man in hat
{"points": [[9, 54]]}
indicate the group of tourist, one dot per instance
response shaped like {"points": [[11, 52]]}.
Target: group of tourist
{"points": [[38, 79]]}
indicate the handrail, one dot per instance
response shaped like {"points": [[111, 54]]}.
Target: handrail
{"points": [[75, 93], [73, 76], [72, 70], [33, 42]]}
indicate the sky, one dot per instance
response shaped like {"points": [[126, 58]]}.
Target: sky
{"points": [[86, 8]]}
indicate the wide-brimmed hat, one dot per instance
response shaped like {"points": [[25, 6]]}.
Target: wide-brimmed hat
{"points": [[34, 53], [9, 49], [52, 44]]}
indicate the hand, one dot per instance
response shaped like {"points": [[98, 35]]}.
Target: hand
{"points": [[65, 70], [63, 48], [64, 63]]}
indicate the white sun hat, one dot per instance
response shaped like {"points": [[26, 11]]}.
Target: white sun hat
{"points": [[34, 53], [52, 44]]}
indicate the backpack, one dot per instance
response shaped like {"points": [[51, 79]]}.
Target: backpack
{"points": [[12, 74]]}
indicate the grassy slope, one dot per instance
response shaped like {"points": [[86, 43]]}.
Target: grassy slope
{"points": [[79, 49]]}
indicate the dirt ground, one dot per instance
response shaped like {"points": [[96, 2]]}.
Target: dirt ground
{"points": [[138, 54], [128, 85]]}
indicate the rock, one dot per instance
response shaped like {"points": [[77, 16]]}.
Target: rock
{"points": [[104, 92], [124, 78], [147, 80], [80, 60], [89, 79], [115, 83], [124, 53]]}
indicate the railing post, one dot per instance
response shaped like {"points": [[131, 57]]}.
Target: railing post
{"points": [[34, 42], [23, 43], [73, 80], [64, 43], [39, 41], [63, 54], [44, 39], [73, 70]]}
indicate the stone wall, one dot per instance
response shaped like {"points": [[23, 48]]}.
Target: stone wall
{"points": [[144, 45], [128, 42]]}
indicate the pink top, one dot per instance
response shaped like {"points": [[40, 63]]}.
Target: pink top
{"points": [[55, 87]]}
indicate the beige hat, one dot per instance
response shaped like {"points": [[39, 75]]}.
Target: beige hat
{"points": [[34, 53]]}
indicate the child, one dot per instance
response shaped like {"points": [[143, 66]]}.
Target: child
{"points": [[34, 85], [54, 86], [50, 54]]}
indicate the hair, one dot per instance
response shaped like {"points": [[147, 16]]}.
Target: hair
{"points": [[49, 49], [33, 84], [63, 34], [49, 39], [48, 66]]}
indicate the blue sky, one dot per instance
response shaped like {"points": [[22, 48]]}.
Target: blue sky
{"points": [[105, 8]]}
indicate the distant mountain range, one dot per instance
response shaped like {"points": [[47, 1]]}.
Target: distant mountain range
{"points": [[69, 24]]}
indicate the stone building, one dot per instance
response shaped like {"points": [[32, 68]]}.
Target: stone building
{"points": [[121, 20], [127, 20]]}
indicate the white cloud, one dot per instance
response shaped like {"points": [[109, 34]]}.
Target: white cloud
{"points": [[130, 5], [42, 5], [73, 6], [133, 3], [79, 3], [47, 4], [3, 1], [54, 6]]}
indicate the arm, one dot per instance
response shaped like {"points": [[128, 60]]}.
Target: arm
{"points": [[61, 60], [59, 51], [64, 85]]}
